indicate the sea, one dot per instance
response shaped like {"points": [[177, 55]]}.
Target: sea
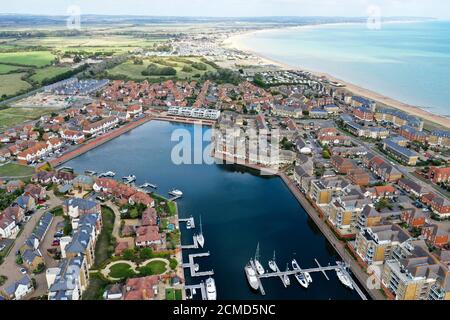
{"points": [[407, 61]]}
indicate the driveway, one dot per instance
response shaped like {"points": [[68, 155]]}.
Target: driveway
{"points": [[9, 268]]}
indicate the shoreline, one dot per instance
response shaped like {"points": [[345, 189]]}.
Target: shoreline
{"points": [[237, 42]]}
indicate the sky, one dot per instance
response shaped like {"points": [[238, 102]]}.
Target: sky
{"points": [[233, 8]]}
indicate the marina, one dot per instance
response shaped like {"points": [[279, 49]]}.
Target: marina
{"points": [[305, 276], [224, 217]]}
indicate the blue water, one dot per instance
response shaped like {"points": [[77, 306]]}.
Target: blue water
{"points": [[239, 209], [409, 62]]}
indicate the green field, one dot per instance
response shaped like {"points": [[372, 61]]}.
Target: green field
{"points": [[27, 58], [12, 83], [121, 271], [96, 42], [153, 268], [4, 68], [134, 71], [15, 170], [13, 116], [48, 72]]}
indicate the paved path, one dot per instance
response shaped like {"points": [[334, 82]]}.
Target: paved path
{"points": [[338, 245], [117, 225], [9, 267]]}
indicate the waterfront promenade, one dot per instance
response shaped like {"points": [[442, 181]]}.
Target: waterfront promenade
{"points": [[335, 242]]}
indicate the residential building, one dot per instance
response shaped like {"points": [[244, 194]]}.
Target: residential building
{"points": [[19, 289], [438, 175], [402, 154], [375, 244], [435, 235]]}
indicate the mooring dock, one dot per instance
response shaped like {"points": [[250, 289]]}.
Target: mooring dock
{"points": [[320, 269], [191, 246], [191, 220], [191, 265], [196, 287]]}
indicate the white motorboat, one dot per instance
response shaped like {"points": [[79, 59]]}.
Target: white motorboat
{"points": [[308, 277], [286, 280], [273, 264], [188, 224], [258, 265], [176, 193], [200, 237], [211, 292], [295, 265], [110, 174], [129, 179], [148, 185], [302, 280], [344, 278], [251, 277]]}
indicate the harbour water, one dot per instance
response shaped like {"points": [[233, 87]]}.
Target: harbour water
{"points": [[409, 62], [239, 208]]}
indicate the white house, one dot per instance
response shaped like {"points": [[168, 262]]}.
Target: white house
{"points": [[8, 227], [18, 290]]}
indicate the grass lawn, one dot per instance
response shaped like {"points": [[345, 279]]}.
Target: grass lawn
{"points": [[153, 268], [104, 247], [15, 170], [27, 58], [12, 116], [4, 68], [174, 294], [121, 271], [96, 288], [134, 71], [48, 72], [11, 84]]}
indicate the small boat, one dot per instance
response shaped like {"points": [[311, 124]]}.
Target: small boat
{"points": [[273, 264], [251, 276], [200, 237], [188, 224], [110, 174], [308, 277], [148, 185], [176, 193], [344, 278], [302, 280], [295, 265], [258, 264], [196, 267], [90, 172], [286, 280], [211, 292], [129, 179]]}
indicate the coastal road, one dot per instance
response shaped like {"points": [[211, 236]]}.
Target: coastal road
{"points": [[335, 242]]}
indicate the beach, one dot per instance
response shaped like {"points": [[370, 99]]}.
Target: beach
{"points": [[237, 42]]}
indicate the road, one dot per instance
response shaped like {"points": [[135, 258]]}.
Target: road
{"points": [[406, 171], [9, 268], [338, 245]]}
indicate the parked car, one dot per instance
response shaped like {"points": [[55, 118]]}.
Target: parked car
{"points": [[23, 271], [55, 243], [2, 247]]}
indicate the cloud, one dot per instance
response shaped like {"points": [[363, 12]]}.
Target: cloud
{"points": [[435, 8]]}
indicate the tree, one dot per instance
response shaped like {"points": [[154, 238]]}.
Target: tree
{"points": [[146, 254], [129, 254]]}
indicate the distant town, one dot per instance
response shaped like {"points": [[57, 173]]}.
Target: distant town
{"points": [[375, 179]]}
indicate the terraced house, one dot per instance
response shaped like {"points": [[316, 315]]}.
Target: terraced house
{"points": [[100, 126]]}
